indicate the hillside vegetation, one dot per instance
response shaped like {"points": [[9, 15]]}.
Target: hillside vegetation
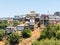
{"points": [[49, 36]]}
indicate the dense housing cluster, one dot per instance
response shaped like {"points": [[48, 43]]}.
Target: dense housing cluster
{"points": [[29, 20]]}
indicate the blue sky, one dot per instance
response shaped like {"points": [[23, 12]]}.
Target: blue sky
{"points": [[9, 8]]}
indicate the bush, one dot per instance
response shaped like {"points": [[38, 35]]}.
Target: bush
{"points": [[3, 24], [49, 36], [47, 42], [58, 34], [51, 31], [15, 23], [36, 43], [2, 34], [48, 32], [26, 33], [43, 35], [57, 27], [52, 41], [14, 38]]}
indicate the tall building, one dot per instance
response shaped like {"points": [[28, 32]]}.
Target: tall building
{"points": [[44, 19], [27, 18], [33, 15]]}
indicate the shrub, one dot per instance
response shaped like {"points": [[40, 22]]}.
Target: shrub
{"points": [[52, 41], [58, 34], [36, 43], [15, 23], [14, 38], [2, 34], [48, 32], [57, 27], [3, 24], [47, 42], [43, 35], [26, 33], [49, 36]]}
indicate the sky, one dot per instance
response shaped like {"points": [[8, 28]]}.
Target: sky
{"points": [[10, 8]]}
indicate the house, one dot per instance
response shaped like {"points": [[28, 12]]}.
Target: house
{"points": [[22, 18], [20, 27], [10, 29], [27, 18], [41, 19], [32, 15], [19, 18], [57, 13], [52, 19], [37, 17], [57, 19], [27, 22], [16, 18], [3, 19], [31, 23], [44, 19]]}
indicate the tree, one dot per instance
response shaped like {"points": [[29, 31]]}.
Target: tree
{"points": [[36, 42], [15, 23], [2, 34], [47, 42], [14, 38], [3, 24], [48, 32], [57, 27], [49, 36], [58, 34], [26, 33]]}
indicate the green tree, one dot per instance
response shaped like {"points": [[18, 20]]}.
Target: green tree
{"points": [[52, 41], [58, 34], [26, 33], [3, 24], [15, 23], [57, 27], [48, 32], [14, 38], [2, 34]]}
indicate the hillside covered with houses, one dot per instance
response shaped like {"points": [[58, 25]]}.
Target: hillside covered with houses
{"points": [[29, 27]]}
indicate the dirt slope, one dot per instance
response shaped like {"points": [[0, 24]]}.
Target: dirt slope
{"points": [[35, 35]]}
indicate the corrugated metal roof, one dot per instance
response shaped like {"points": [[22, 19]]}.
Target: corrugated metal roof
{"points": [[10, 27], [21, 25]]}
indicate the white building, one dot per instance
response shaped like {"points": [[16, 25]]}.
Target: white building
{"points": [[20, 27], [54, 19], [37, 17], [10, 29], [27, 18], [31, 23]]}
